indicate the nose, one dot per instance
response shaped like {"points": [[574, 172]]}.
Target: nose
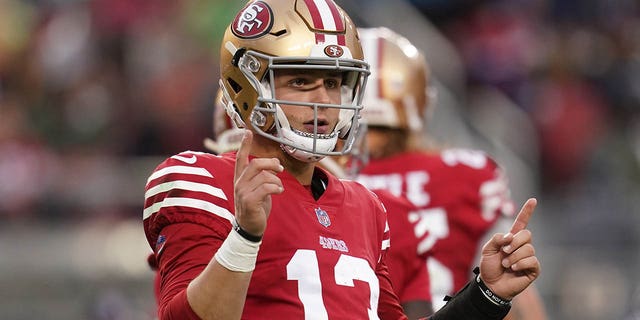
{"points": [[321, 93], [323, 98]]}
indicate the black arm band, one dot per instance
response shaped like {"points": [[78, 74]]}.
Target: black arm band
{"points": [[487, 292], [470, 303], [243, 233]]}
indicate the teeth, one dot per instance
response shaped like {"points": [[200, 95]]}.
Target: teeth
{"points": [[311, 135]]}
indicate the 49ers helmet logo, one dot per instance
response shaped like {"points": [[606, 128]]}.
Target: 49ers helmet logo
{"points": [[334, 51], [254, 21]]}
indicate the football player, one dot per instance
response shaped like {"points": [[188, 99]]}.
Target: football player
{"points": [[461, 193], [407, 271], [264, 233]]}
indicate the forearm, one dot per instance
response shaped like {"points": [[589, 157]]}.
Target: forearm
{"points": [[471, 304], [220, 290], [218, 293], [194, 284]]}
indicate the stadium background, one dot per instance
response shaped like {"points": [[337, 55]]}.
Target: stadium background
{"points": [[93, 94]]}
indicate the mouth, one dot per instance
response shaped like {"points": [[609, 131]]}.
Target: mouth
{"points": [[323, 126], [322, 129]]}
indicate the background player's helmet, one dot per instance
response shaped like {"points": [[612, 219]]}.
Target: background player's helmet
{"points": [[284, 34], [397, 95], [227, 137]]}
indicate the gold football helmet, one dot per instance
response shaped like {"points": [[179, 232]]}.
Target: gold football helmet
{"points": [[268, 35], [398, 94]]}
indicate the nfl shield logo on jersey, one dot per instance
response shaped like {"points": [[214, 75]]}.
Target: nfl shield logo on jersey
{"points": [[160, 243], [323, 217]]}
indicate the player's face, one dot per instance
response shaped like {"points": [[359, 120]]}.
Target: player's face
{"points": [[384, 142], [314, 86], [376, 140]]}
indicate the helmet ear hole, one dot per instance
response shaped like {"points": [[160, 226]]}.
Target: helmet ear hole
{"points": [[234, 85]]}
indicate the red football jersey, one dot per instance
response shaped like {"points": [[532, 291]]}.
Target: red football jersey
{"points": [[319, 259], [408, 271], [460, 195]]}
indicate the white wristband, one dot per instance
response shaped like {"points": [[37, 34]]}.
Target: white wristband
{"points": [[237, 253]]}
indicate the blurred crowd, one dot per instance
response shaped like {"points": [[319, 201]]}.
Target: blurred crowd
{"points": [[573, 68], [93, 93], [86, 86]]}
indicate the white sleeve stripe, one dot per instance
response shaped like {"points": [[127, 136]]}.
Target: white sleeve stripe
{"points": [[179, 169], [185, 185], [386, 244], [188, 202]]}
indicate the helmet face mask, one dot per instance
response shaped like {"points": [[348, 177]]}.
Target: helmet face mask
{"points": [[273, 35]]}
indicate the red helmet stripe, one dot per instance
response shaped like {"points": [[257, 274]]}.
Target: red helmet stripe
{"points": [[317, 19], [325, 16]]}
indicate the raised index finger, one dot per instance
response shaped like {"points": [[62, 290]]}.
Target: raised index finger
{"points": [[523, 217], [242, 156]]}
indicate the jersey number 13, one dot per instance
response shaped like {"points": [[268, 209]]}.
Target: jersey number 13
{"points": [[303, 267]]}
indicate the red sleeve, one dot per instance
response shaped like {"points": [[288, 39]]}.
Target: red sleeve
{"points": [[186, 216], [491, 184], [407, 270], [388, 306], [417, 287], [179, 308], [187, 250]]}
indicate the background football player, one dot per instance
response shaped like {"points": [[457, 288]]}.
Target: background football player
{"points": [[461, 193]]}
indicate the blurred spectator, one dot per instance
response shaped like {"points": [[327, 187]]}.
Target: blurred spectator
{"points": [[26, 164], [86, 84]]}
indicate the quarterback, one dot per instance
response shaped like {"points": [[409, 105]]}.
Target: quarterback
{"points": [[263, 233]]}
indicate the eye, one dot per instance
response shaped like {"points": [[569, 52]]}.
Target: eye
{"points": [[297, 82], [332, 83]]}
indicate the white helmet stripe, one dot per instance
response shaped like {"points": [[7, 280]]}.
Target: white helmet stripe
{"points": [[371, 46], [326, 17]]}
